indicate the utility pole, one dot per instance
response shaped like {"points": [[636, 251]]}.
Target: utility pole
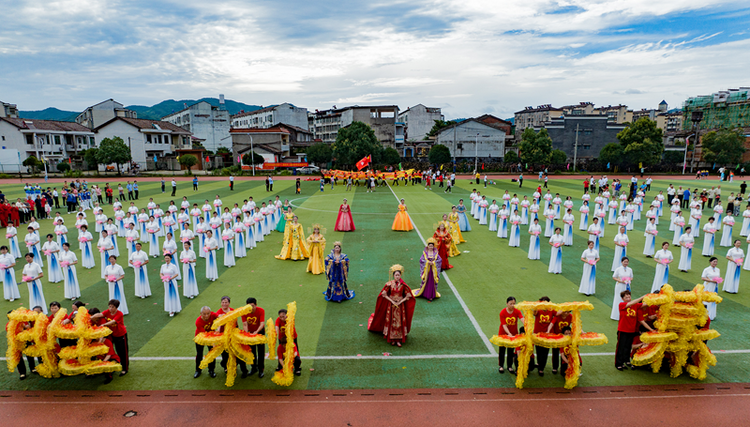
{"points": [[476, 152], [575, 148]]}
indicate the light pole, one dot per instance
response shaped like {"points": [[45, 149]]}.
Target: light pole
{"points": [[476, 152]]}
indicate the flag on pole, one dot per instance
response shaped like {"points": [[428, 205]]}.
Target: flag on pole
{"points": [[208, 160], [364, 162], [400, 167], [155, 159], [70, 162]]}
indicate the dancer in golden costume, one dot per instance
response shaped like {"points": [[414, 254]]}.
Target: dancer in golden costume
{"points": [[316, 244], [295, 246], [402, 221]]}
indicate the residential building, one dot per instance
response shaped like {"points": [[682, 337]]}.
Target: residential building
{"points": [[531, 117], [383, 119], [580, 109], [325, 124], [209, 123], [418, 121], [726, 109], [100, 113], [593, 131], [52, 140], [147, 139], [272, 143], [473, 138], [616, 113], [8, 110], [271, 116]]}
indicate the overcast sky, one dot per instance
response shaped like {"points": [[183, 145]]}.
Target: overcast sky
{"points": [[469, 57]]}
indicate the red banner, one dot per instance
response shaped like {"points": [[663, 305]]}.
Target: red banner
{"points": [[285, 165], [364, 162]]}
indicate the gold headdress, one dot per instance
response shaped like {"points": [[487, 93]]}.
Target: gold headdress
{"points": [[337, 243], [432, 240], [313, 227], [394, 268]]}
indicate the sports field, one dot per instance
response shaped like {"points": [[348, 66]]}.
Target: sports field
{"points": [[448, 345]]}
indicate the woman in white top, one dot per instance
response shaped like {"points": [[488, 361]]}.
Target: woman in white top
{"points": [[207, 209], [120, 218], [212, 271], [589, 257], [612, 212], [189, 278], [226, 217], [217, 205], [158, 216], [267, 210], [534, 230], [105, 249], [650, 234], [584, 224], [653, 213], [112, 231], [679, 223], [183, 219], [172, 211], [100, 219], [502, 224], [200, 230], [630, 214], [663, 258], [726, 232], [594, 232], [534, 209], [227, 235], [33, 247], [169, 273], [494, 209], [549, 216], [483, 205], [711, 277], [170, 247], [52, 250], [143, 219], [87, 254], [215, 225], [62, 234], [131, 236], [567, 204], [249, 230], [186, 234], [195, 213], [555, 255], [79, 224], [621, 248], [68, 261], [686, 250], [12, 235], [515, 230], [138, 260], [675, 210], [35, 226], [169, 224], [695, 221], [623, 275], [8, 275], [258, 227], [735, 256], [718, 211], [153, 230], [623, 221], [525, 210], [709, 235], [240, 250], [236, 212], [32, 272], [568, 220], [114, 275], [745, 231], [556, 202]]}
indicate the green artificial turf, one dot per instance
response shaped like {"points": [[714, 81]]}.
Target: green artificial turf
{"points": [[484, 275]]}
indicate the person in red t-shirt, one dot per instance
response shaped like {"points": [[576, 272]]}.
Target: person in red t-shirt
{"points": [[627, 329], [561, 320], [509, 320], [111, 355], [646, 318], [254, 323], [280, 354], [281, 327], [115, 321], [565, 356], [542, 321], [203, 324], [225, 308]]}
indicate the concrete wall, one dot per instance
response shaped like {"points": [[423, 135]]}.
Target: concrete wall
{"points": [[491, 141], [419, 121], [140, 150], [593, 134]]}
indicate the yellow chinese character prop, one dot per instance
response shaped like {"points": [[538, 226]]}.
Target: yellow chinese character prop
{"points": [[234, 341], [525, 342], [82, 357], [677, 335], [285, 377], [34, 341]]}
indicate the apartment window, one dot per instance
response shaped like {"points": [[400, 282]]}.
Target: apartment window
{"points": [[148, 138], [92, 141], [373, 114], [57, 140], [587, 146], [166, 139], [3, 137]]}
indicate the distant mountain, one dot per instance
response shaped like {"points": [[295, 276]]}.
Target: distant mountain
{"points": [[49, 114], [154, 112], [512, 120]]}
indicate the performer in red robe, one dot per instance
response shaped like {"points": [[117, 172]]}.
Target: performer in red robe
{"points": [[344, 222], [394, 309], [443, 238]]}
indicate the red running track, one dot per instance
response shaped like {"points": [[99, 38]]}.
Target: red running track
{"points": [[685, 405]]}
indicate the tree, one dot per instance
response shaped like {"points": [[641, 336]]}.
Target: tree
{"points": [[642, 142], [222, 150], [188, 160], [113, 150], [319, 153], [612, 154], [439, 124], [647, 152], [391, 156], [91, 158], [439, 154], [674, 157], [511, 157], [63, 167], [558, 157], [253, 158], [535, 147], [354, 142], [724, 147], [32, 162]]}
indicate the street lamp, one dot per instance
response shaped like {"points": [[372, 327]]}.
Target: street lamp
{"points": [[476, 152], [696, 117]]}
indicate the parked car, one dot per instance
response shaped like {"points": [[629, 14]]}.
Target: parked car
{"points": [[308, 170]]}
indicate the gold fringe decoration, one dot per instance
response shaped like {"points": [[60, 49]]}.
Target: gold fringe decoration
{"points": [[524, 343], [285, 377], [677, 335]]}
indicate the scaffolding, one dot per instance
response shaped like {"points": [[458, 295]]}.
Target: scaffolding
{"points": [[727, 109]]}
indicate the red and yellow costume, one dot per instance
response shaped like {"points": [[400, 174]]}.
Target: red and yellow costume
{"points": [[344, 222], [316, 244], [444, 239], [393, 321], [402, 221]]}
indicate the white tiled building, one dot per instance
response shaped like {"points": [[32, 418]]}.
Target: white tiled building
{"points": [[206, 122], [272, 116], [146, 138]]}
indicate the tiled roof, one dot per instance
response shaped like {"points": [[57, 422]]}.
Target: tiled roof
{"points": [[148, 124], [272, 129], [46, 125]]}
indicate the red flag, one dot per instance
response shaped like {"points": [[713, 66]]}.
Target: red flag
{"points": [[364, 162], [208, 160], [482, 166], [70, 162]]}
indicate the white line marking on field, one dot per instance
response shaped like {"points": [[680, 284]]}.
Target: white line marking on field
{"points": [[486, 341]]}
